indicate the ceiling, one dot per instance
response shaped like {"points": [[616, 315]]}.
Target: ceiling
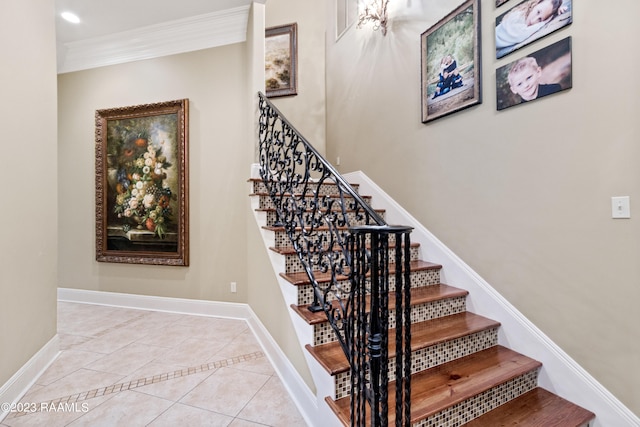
{"points": [[107, 25]]}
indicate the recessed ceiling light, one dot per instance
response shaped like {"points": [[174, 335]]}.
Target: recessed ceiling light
{"points": [[71, 17]]}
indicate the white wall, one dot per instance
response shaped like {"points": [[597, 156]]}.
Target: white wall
{"points": [[29, 199], [521, 195]]}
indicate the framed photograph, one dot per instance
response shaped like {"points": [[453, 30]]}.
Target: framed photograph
{"points": [[500, 2], [142, 184], [281, 60], [529, 21], [450, 63], [532, 77]]}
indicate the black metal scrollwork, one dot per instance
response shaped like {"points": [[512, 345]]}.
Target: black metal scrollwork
{"points": [[337, 234]]}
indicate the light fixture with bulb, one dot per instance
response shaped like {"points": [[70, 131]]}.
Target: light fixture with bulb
{"points": [[375, 12], [70, 17]]}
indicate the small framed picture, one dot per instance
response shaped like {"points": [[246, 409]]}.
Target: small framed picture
{"points": [[281, 60], [532, 77], [529, 21], [450, 63]]}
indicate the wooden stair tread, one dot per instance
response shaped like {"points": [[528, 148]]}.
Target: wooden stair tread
{"points": [[289, 250], [421, 295], [423, 334], [301, 278], [536, 408], [438, 388]]}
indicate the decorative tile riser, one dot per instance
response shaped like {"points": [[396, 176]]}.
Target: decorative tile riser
{"points": [[463, 412], [351, 217], [418, 279], [282, 240], [323, 333], [259, 187], [265, 201], [429, 357], [294, 265]]}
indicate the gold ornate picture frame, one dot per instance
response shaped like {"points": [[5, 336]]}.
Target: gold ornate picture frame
{"points": [[142, 184]]}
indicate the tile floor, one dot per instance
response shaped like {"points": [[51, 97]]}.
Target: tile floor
{"points": [[123, 367]]}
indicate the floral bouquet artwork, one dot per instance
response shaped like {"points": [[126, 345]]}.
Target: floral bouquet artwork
{"points": [[142, 196], [142, 172]]}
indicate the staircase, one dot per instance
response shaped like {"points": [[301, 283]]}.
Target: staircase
{"points": [[460, 374], [342, 265]]}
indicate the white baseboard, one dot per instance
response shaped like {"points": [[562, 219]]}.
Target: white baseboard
{"points": [[21, 381], [299, 392], [562, 375]]}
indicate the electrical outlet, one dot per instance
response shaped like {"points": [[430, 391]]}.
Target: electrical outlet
{"points": [[233, 287]]}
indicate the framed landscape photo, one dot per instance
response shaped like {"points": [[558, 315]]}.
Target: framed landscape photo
{"points": [[142, 171], [450, 63], [529, 21], [281, 60], [542, 73]]}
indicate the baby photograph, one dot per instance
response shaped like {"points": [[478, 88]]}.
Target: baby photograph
{"points": [[535, 76], [528, 21]]}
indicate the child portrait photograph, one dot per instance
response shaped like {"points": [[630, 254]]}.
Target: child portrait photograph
{"points": [[450, 63], [528, 21], [542, 73]]}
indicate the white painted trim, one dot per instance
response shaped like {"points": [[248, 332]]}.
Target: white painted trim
{"points": [[21, 381], [183, 35], [560, 373], [292, 381], [147, 302], [300, 393]]}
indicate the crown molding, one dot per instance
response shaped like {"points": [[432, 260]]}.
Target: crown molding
{"points": [[184, 35]]}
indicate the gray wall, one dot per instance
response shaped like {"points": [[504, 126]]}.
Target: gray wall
{"points": [[522, 195]]}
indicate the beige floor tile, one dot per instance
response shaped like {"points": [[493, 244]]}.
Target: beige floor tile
{"points": [[206, 381], [192, 352], [243, 343], [76, 382], [183, 415], [226, 391], [67, 362], [68, 342], [169, 336], [128, 408], [128, 359], [112, 340], [173, 389], [156, 319], [58, 418], [244, 423], [272, 406]]}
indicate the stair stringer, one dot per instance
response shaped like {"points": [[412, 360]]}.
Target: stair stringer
{"points": [[323, 381], [560, 374]]}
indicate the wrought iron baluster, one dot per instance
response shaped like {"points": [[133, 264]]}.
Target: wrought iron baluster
{"points": [[321, 228]]}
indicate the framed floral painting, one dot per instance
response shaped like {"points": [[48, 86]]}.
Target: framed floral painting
{"points": [[142, 204]]}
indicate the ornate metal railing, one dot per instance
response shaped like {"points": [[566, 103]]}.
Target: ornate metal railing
{"points": [[353, 259]]}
